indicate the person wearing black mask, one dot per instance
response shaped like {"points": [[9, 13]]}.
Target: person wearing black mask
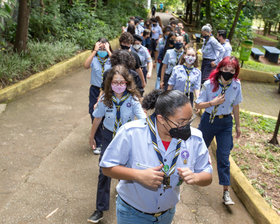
{"points": [[212, 52], [170, 60], [126, 40], [156, 32], [220, 96], [152, 157]]}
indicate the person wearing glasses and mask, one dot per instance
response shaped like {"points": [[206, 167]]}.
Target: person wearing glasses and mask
{"points": [[152, 157], [220, 96], [119, 105], [144, 55], [170, 60], [126, 40], [212, 52], [99, 62], [186, 77]]}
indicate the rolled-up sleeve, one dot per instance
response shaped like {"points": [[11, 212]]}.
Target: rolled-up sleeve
{"points": [[203, 161], [100, 110]]}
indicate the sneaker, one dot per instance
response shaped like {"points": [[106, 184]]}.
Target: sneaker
{"points": [[227, 198], [95, 217], [97, 151]]}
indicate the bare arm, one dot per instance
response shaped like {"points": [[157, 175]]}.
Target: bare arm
{"points": [[151, 177], [200, 179], [89, 60], [170, 87], [162, 75], [216, 101], [237, 121], [95, 124], [150, 69], [141, 75]]}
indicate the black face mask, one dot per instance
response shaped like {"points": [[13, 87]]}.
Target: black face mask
{"points": [[123, 47], [171, 42], [154, 25], [178, 45], [226, 75], [205, 37], [182, 132]]}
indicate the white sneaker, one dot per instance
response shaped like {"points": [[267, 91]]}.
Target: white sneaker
{"points": [[227, 198], [97, 151]]}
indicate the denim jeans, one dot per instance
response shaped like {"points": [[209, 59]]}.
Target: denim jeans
{"points": [[127, 215], [222, 130]]}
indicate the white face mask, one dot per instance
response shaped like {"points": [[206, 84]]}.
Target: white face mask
{"points": [[136, 46], [190, 59]]}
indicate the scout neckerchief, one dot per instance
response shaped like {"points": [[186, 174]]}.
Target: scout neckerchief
{"points": [[214, 111], [118, 122], [102, 63], [167, 172], [178, 54], [188, 81]]}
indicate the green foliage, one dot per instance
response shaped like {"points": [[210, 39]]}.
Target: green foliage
{"points": [[6, 11], [40, 55]]}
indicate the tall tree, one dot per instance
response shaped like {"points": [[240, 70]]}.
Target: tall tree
{"points": [[22, 26], [208, 11], [237, 14], [197, 12]]}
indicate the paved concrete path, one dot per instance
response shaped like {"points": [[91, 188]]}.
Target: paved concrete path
{"points": [[46, 165]]}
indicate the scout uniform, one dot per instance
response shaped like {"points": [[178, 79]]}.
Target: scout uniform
{"points": [[212, 50], [113, 119], [217, 121], [137, 145], [185, 79]]}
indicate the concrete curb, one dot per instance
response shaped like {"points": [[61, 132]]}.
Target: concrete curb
{"points": [[48, 75]]}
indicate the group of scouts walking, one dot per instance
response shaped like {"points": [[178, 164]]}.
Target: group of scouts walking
{"points": [[147, 143]]}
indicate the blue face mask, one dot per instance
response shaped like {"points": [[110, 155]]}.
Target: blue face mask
{"points": [[142, 23], [102, 54]]}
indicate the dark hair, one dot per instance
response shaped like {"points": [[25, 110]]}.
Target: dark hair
{"points": [[153, 20], [182, 59], [137, 37], [215, 74], [136, 21], [222, 33], [146, 32], [130, 29], [103, 40], [159, 21], [167, 28], [165, 103], [146, 24], [173, 22], [126, 37], [123, 57], [166, 47], [130, 84]]}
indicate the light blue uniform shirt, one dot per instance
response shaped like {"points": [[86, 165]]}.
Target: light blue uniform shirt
{"points": [[161, 43], [213, 50], [132, 147], [178, 78], [139, 30], [96, 71], [129, 109], [228, 49], [158, 31], [170, 59], [233, 96], [143, 54]]}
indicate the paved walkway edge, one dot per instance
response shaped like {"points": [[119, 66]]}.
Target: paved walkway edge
{"points": [[46, 76], [250, 197]]}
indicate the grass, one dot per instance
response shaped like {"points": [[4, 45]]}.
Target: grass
{"points": [[265, 38], [40, 55]]}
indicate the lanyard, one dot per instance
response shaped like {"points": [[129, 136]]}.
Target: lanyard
{"points": [[118, 122], [214, 111], [102, 63], [188, 81], [168, 172]]}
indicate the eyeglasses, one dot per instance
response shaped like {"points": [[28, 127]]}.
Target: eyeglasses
{"points": [[182, 124], [121, 83]]}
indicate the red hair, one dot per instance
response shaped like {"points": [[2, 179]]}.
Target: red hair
{"points": [[215, 74]]}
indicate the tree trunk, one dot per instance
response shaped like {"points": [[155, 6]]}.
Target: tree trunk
{"points": [[265, 29], [269, 27], [279, 27], [274, 140], [237, 14], [22, 26], [208, 11], [197, 13], [191, 12], [187, 10]]}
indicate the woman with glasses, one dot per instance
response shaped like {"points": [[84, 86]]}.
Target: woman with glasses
{"points": [[152, 157], [117, 106], [220, 96]]}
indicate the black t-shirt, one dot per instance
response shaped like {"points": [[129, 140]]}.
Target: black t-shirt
{"points": [[135, 76], [137, 59]]}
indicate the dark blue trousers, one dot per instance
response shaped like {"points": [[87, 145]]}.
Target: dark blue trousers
{"points": [[104, 182], [206, 69], [145, 71], [93, 96], [222, 130]]}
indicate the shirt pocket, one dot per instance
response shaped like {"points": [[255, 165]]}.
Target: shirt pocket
{"points": [[127, 114], [109, 114]]}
